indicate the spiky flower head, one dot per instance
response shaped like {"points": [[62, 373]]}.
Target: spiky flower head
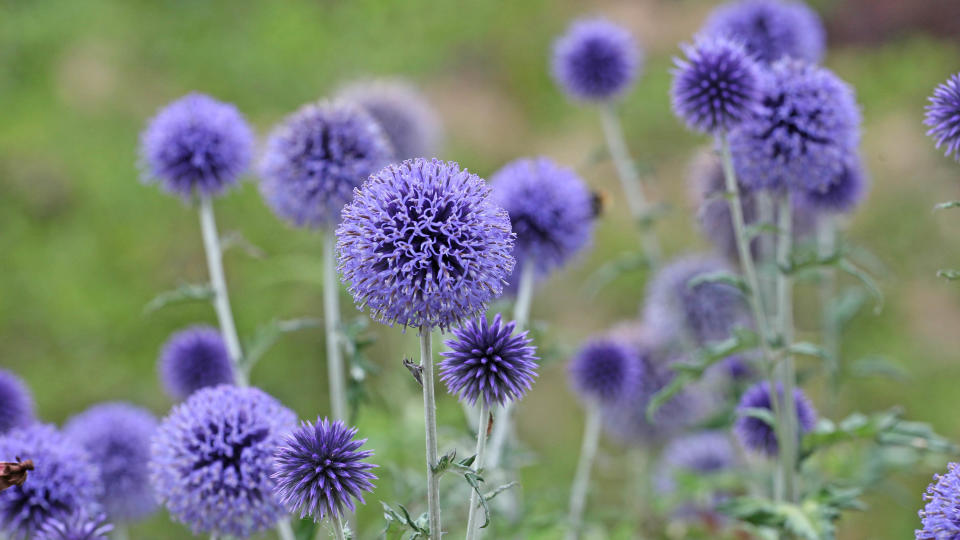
{"points": [[716, 86], [940, 517], [844, 194], [16, 403], [194, 358], [118, 435], [756, 434], [422, 244], [196, 145], [943, 116], [595, 60], [770, 29], [702, 453], [488, 361], [604, 370], [212, 457], [316, 157], [65, 480], [320, 469], [76, 526]]}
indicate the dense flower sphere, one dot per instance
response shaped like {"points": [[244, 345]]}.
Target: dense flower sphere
{"points": [[716, 86], [595, 60], [196, 145], [605, 370], [702, 453], [844, 194], [940, 517], [316, 157], [943, 116], [770, 29], [194, 358], [16, 403], [754, 433], [118, 435], [488, 361], [320, 469], [76, 526], [212, 457], [422, 244], [801, 136], [65, 480]]}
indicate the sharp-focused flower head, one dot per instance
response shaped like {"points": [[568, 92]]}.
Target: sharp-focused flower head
{"points": [[757, 435], [940, 517], [706, 452], [595, 60], [316, 157], [196, 145], [194, 358], [320, 470], [943, 116], [16, 403], [212, 457], [843, 195], [65, 480], [118, 435], [770, 29], [422, 244], [76, 526], [716, 87], [488, 361], [605, 370]]}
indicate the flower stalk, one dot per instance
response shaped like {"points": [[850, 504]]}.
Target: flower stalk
{"points": [[581, 480], [285, 530], [331, 322], [787, 373], [430, 420], [473, 516]]}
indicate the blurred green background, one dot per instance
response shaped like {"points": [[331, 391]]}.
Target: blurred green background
{"points": [[84, 245]]}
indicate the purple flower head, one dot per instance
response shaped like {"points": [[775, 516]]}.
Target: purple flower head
{"points": [[408, 121], [422, 244], [320, 469], [703, 453], [940, 517], [595, 60], [16, 403], [488, 361], [943, 116], [315, 159], [196, 144], [64, 481], [754, 433], [605, 370], [118, 436], [716, 87], [806, 126], [212, 457], [194, 358], [770, 29], [842, 195], [76, 526]]}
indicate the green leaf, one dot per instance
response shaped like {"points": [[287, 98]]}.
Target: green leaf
{"points": [[752, 231], [188, 292], [418, 528], [809, 349], [948, 274], [946, 205], [845, 306], [268, 334], [625, 263], [665, 394], [878, 366], [764, 415], [235, 239], [725, 278], [847, 266]]}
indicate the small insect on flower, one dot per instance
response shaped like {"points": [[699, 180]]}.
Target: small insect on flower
{"points": [[14, 473]]}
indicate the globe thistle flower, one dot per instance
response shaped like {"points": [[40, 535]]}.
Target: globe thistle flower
{"points": [[410, 124], [194, 358], [75, 526], [595, 60], [320, 470], [703, 453], [840, 196], [770, 29], [196, 145], [716, 87], [943, 116], [118, 434], [754, 433], [803, 132], [212, 457], [65, 480], [605, 370], [488, 361], [422, 244], [16, 403], [940, 517]]}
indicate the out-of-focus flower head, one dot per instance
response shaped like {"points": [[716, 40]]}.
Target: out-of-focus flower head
{"points": [[770, 29], [702, 453], [757, 435], [194, 358], [16, 403], [595, 60], [843, 195], [605, 370]]}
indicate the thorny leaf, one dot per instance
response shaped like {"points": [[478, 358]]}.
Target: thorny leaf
{"points": [[946, 205], [886, 428], [188, 292], [418, 528], [948, 274]]}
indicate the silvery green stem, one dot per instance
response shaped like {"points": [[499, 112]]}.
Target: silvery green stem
{"points": [[430, 419], [120, 532], [826, 246], [581, 480], [221, 300], [337, 528], [473, 516], [766, 250], [285, 530], [331, 320], [787, 374]]}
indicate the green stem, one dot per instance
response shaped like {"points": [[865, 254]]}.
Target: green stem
{"points": [[331, 320], [826, 246], [787, 373], [338, 529], [285, 530], [473, 516], [120, 532], [430, 421], [581, 480]]}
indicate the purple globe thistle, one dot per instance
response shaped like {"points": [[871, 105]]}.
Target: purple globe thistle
{"points": [[16, 403], [64, 481], [716, 87], [770, 29], [212, 457], [194, 358], [408, 121], [487, 360], [119, 434], [940, 517], [320, 470], [595, 60], [806, 127], [422, 244], [605, 370], [196, 144], [943, 116], [842, 195], [703, 453], [754, 433], [76, 526]]}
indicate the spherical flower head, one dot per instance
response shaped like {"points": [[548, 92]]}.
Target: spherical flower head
{"points": [[118, 435], [605, 370], [770, 29], [716, 86], [844, 194], [196, 145], [76, 526], [943, 116], [194, 358], [595, 60], [320, 469], [65, 480], [16, 403], [754, 433], [422, 244], [940, 517], [803, 132], [703, 453], [488, 361], [410, 124], [212, 457]]}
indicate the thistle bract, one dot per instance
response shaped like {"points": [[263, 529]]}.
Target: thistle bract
{"points": [[756, 434], [770, 29], [595, 60], [16, 403], [943, 116], [194, 358]]}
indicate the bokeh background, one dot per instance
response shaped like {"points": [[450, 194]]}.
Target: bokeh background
{"points": [[84, 246]]}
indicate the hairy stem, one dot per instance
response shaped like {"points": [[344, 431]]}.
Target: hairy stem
{"points": [[331, 321], [787, 373], [473, 517], [430, 419], [581, 480], [830, 328], [285, 530], [337, 526]]}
